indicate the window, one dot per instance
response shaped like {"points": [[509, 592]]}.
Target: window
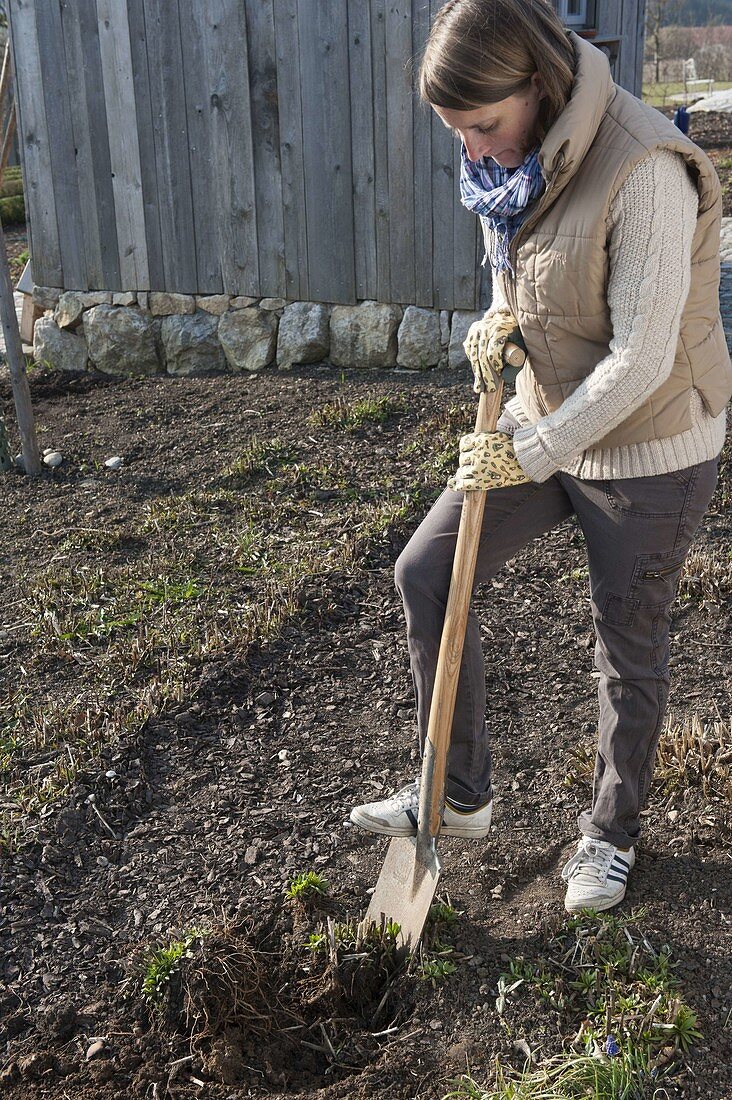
{"points": [[574, 13]]}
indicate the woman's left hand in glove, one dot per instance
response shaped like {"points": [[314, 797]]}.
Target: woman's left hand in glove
{"points": [[487, 461]]}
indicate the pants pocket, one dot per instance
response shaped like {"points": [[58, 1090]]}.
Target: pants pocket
{"points": [[655, 496]]}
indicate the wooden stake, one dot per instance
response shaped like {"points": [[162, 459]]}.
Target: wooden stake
{"points": [[16, 365]]}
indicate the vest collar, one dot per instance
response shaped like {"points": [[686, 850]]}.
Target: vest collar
{"points": [[573, 132]]}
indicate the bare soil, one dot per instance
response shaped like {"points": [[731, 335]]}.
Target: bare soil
{"points": [[204, 809], [712, 132]]}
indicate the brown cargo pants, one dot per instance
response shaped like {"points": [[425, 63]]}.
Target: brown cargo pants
{"points": [[638, 532]]}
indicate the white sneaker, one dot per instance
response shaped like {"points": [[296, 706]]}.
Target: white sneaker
{"points": [[397, 816], [596, 875]]}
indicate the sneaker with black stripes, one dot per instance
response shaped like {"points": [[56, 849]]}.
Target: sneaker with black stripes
{"points": [[596, 875], [397, 816]]}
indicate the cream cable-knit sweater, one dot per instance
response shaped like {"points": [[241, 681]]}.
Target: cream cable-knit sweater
{"points": [[653, 218]]}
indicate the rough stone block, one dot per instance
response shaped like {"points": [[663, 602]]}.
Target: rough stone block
{"points": [[419, 338], [163, 304], [364, 335], [62, 350], [68, 310], [191, 344], [123, 340], [249, 338], [304, 334], [213, 303]]}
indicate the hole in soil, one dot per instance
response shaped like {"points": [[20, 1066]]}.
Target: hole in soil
{"points": [[274, 1003]]}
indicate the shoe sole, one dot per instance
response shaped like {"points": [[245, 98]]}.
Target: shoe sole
{"points": [[604, 903], [372, 825]]}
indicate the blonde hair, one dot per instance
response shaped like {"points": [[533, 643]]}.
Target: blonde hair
{"points": [[483, 51]]}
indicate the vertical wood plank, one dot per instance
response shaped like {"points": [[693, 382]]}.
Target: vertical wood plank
{"points": [[381, 149], [43, 234], [267, 168], [422, 180], [146, 144], [114, 45], [165, 65], [362, 143], [398, 23], [203, 168], [444, 199], [327, 145], [230, 122], [287, 45], [83, 73], [61, 143]]}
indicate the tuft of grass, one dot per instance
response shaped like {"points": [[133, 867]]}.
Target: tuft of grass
{"points": [[692, 753], [306, 887], [436, 970], [258, 457], [600, 978], [163, 963], [593, 1076], [350, 415]]}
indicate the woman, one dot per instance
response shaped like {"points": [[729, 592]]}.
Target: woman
{"points": [[601, 222]]}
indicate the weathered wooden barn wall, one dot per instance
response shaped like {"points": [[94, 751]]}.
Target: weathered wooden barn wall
{"points": [[253, 147]]}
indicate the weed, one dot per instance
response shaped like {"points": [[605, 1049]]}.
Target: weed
{"points": [[348, 416], [436, 970], [692, 753], [258, 457], [306, 887], [163, 963], [599, 972]]}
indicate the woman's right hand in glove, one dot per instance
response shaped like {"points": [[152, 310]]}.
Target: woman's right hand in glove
{"points": [[484, 346]]}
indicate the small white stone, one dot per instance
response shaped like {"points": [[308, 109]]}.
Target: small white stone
{"points": [[283, 754], [114, 462], [53, 458], [672, 815]]}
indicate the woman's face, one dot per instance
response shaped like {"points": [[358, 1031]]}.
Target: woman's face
{"points": [[504, 131]]}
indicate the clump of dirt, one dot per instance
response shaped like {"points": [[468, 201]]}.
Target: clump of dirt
{"points": [[268, 1001]]}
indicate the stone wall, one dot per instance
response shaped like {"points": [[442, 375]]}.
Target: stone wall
{"points": [[159, 333]]}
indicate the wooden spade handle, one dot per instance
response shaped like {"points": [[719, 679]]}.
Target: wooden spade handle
{"points": [[442, 709]]}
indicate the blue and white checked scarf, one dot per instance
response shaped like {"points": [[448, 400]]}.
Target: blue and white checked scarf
{"points": [[501, 195]]}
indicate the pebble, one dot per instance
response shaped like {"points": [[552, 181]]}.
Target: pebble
{"points": [[114, 462], [672, 815], [96, 1048], [52, 458]]}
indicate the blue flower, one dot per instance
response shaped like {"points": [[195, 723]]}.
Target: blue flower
{"points": [[611, 1047]]}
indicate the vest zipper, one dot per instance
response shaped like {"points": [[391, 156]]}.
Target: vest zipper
{"points": [[524, 229]]}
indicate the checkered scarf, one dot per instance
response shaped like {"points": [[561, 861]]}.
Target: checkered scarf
{"points": [[501, 195]]}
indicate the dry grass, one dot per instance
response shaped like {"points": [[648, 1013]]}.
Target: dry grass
{"points": [[694, 753]]}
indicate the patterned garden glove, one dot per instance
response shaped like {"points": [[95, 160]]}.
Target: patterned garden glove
{"points": [[487, 461], [484, 346]]}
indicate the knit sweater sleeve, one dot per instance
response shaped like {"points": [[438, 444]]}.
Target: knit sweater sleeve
{"points": [[652, 218], [497, 299]]}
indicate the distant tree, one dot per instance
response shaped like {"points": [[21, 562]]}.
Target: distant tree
{"points": [[659, 13]]}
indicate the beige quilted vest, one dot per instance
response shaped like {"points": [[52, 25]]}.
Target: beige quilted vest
{"points": [[560, 256]]}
